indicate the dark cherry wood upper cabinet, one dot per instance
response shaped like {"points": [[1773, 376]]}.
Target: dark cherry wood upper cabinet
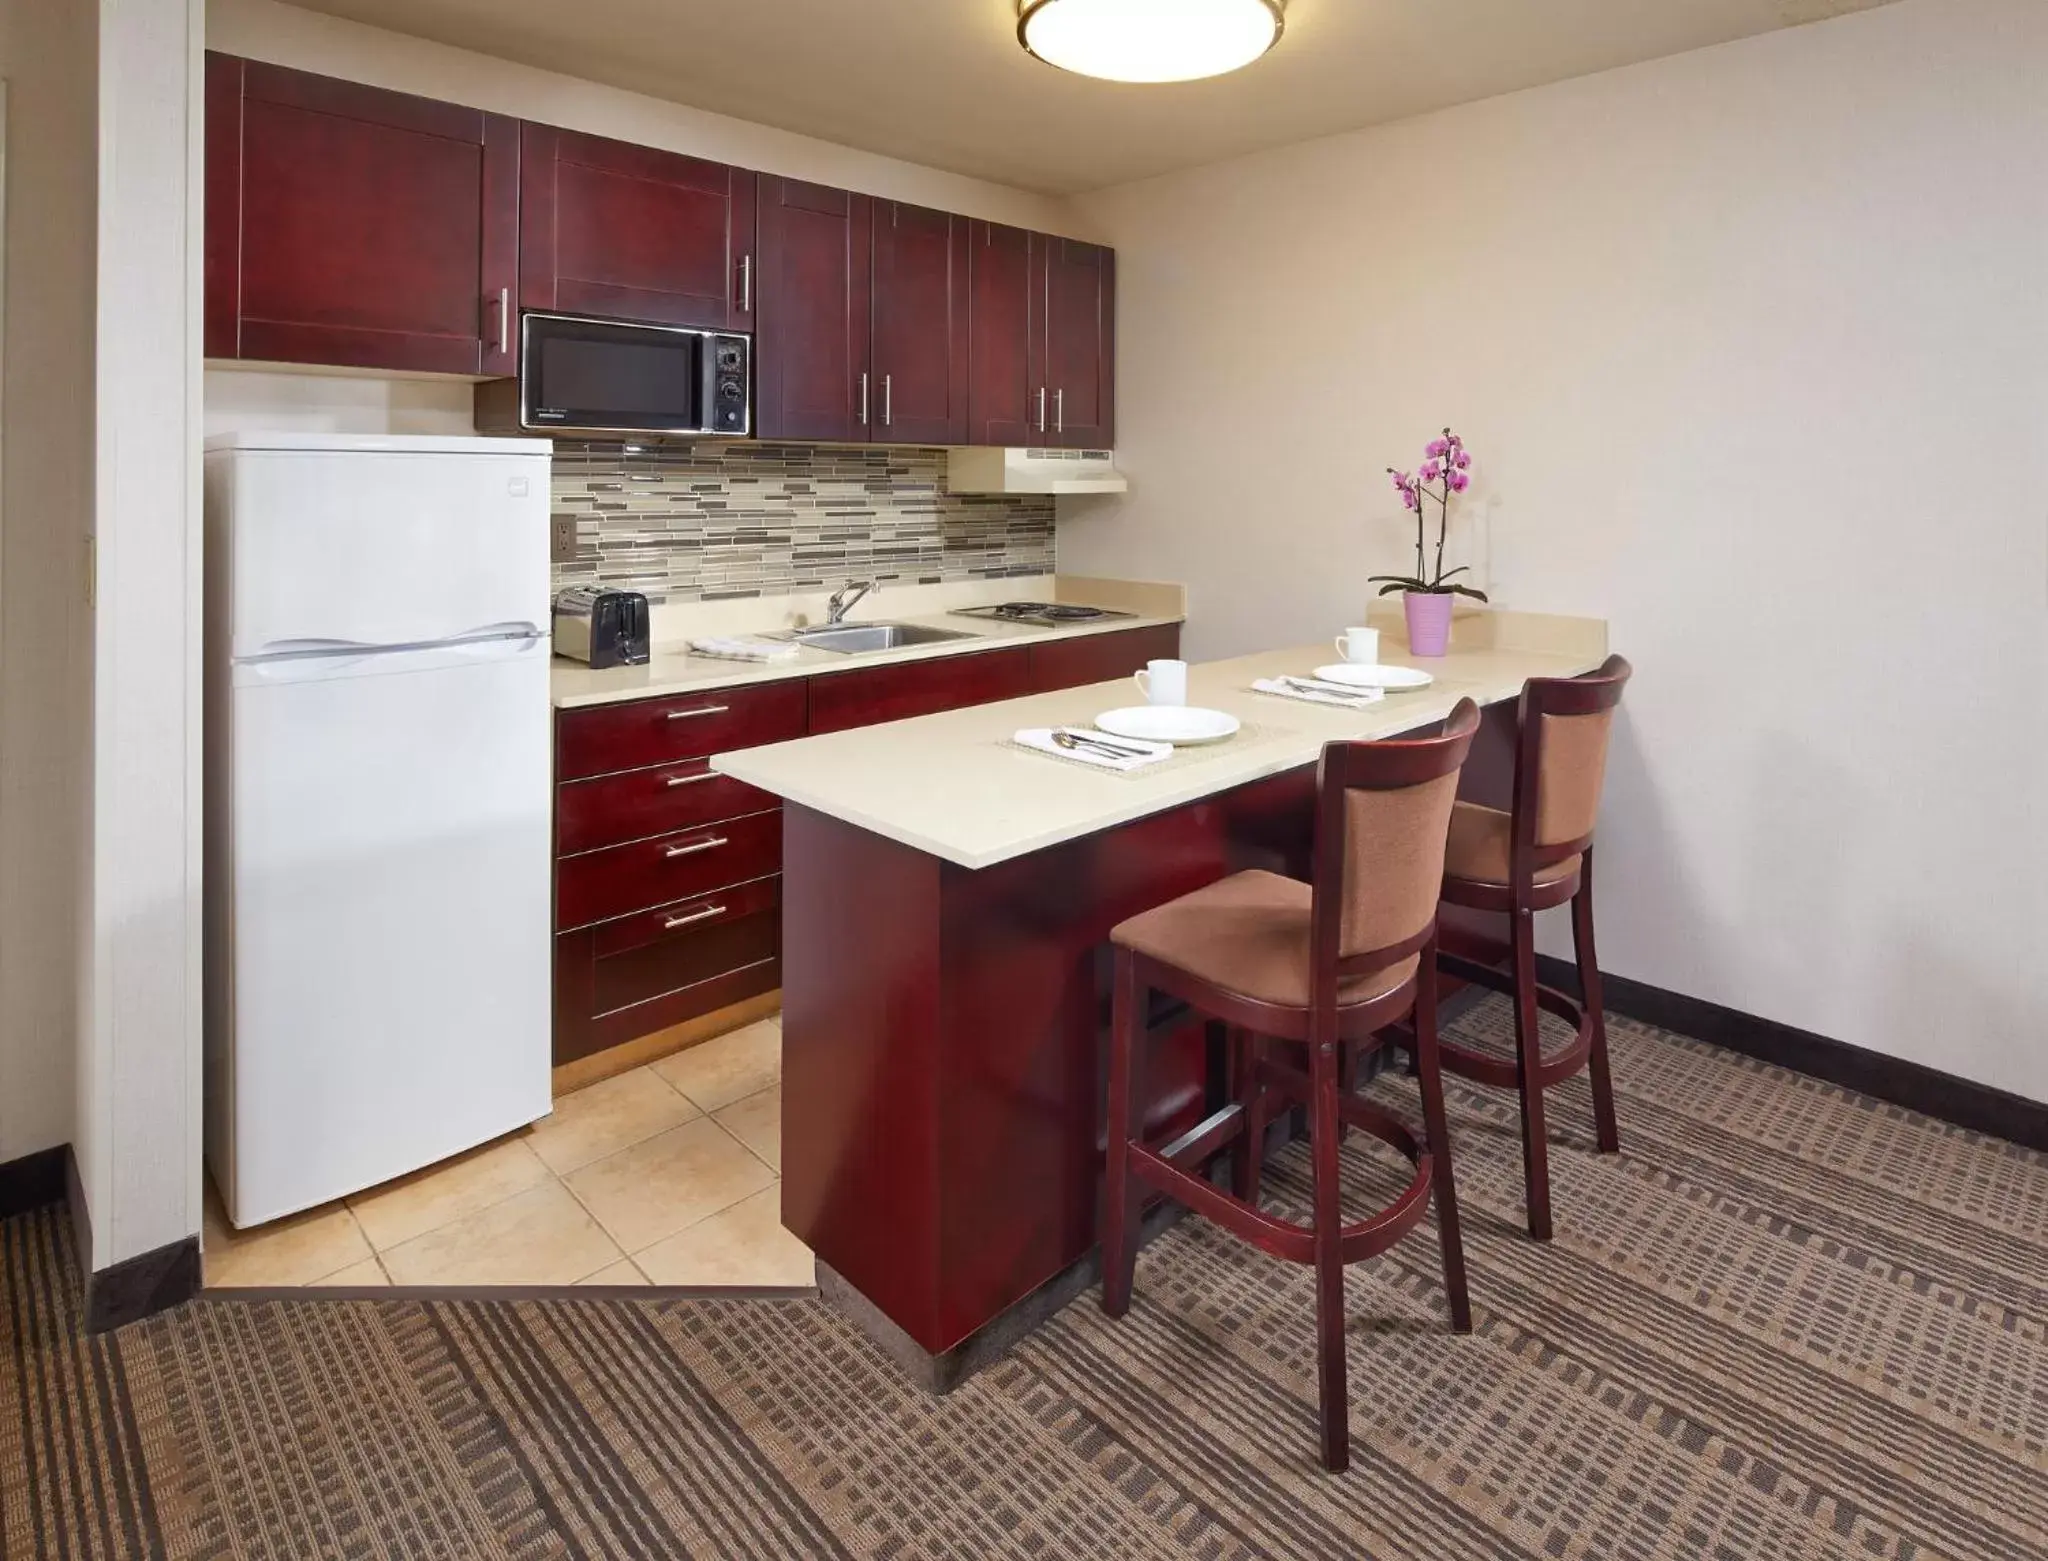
{"points": [[920, 325], [351, 226], [813, 313], [1080, 344], [630, 232], [1004, 334]]}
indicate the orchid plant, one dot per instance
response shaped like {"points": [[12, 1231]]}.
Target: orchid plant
{"points": [[1446, 464]]}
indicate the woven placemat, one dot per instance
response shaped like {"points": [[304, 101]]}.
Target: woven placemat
{"points": [[1252, 734]]}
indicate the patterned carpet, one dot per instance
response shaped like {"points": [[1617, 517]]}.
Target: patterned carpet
{"points": [[1787, 1321]]}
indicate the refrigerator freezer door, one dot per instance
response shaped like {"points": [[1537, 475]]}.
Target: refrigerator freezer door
{"points": [[389, 918], [379, 546]]}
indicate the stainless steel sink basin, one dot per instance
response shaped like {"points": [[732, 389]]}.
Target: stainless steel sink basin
{"points": [[851, 639]]}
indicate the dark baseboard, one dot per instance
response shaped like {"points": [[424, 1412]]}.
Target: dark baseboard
{"points": [[1961, 1102], [34, 1181], [142, 1286]]}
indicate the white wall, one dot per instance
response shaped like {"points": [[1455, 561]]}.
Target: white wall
{"points": [[138, 1130], [46, 490], [304, 40], [1752, 346]]}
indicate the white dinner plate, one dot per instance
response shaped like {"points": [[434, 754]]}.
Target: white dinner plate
{"points": [[1180, 724], [1359, 675]]}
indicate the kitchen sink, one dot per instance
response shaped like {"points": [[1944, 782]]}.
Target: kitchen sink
{"points": [[851, 639]]}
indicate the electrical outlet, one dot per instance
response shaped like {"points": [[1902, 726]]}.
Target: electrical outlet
{"points": [[562, 540]]}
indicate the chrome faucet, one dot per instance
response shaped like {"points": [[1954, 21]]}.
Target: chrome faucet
{"points": [[843, 603]]}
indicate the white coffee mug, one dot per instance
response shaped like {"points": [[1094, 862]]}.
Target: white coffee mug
{"points": [[1164, 682], [1359, 645]]}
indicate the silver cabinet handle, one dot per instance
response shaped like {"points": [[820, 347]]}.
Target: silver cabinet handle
{"points": [[746, 284], [1041, 409], [1059, 411], [705, 914], [863, 398], [888, 399], [689, 780], [504, 319], [697, 845], [684, 715]]}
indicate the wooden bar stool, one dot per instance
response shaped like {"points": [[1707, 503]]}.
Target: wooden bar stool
{"points": [[1539, 856], [1324, 967]]}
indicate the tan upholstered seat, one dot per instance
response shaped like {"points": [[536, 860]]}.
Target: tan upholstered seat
{"points": [[1248, 934], [1478, 848]]}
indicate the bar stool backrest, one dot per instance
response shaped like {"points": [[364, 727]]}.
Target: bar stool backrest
{"points": [[1383, 811], [1561, 763]]}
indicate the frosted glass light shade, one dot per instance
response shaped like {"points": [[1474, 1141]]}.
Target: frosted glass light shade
{"points": [[1149, 40]]}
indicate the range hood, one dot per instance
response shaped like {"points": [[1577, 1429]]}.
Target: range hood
{"points": [[1022, 469]]}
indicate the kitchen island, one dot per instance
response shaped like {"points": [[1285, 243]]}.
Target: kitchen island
{"points": [[946, 901]]}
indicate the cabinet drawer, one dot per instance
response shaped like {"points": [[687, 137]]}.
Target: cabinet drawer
{"points": [[635, 804], [840, 700], [641, 732], [641, 957], [620, 880]]}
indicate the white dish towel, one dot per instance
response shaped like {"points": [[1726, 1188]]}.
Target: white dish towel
{"points": [[1315, 696], [1040, 739], [737, 649]]}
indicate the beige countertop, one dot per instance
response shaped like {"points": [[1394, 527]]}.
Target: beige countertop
{"points": [[672, 669], [953, 785]]}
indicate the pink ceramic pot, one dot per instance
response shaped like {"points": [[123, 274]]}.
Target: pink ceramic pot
{"points": [[1429, 621]]}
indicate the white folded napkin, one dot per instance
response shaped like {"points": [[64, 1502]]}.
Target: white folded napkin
{"points": [[742, 649], [1317, 696], [1040, 738]]}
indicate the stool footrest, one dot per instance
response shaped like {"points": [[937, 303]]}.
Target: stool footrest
{"points": [[1283, 1238], [1503, 1072]]}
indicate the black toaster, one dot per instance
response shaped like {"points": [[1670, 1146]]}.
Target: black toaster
{"points": [[604, 628]]}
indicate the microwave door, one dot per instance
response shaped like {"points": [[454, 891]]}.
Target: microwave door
{"points": [[603, 376]]}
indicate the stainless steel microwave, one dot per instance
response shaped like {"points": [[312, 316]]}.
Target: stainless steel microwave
{"points": [[584, 375]]}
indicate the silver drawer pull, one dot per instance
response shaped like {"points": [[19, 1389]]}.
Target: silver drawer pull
{"points": [[698, 845], [690, 780], [684, 715], [705, 914]]}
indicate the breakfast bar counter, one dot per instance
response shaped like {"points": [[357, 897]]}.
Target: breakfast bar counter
{"points": [[946, 900]]}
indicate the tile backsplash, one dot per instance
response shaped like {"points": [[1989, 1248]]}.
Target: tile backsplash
{"points": [[718, 519]]}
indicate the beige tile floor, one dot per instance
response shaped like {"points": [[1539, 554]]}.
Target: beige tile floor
{"points": [[666, 1175]]}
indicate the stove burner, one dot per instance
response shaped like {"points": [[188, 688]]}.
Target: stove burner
{"points": [[1063, 612], [1048, 613]]}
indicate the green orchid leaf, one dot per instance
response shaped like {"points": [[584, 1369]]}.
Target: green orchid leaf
{"points": [[1472, 591]]}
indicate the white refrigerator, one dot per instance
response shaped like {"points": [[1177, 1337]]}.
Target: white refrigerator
{"points": [[378, 808]]}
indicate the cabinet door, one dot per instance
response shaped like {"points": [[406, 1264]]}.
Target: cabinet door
{"points": [[1005, 318], [609, 228], [920, 325], [356, 227], [1080, 344], [812, 330]]}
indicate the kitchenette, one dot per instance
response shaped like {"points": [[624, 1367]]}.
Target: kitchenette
{"points": [[709, 459]]}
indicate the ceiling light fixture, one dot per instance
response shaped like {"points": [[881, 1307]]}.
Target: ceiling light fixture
{"points": [[1149, 40]]}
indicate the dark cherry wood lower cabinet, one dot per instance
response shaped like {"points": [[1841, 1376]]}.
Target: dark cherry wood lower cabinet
{"points": [[622, 979], [870, 695], [942, 1064], [1096, 658], [667, 899]]}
